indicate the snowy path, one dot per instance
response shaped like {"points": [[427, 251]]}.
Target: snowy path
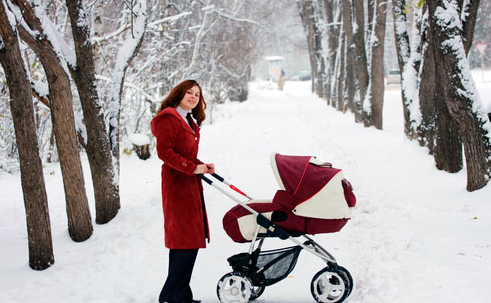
{"points": [[413, 236]]}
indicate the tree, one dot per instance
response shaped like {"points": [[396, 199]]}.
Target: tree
{"points": [[459, 93], [127, 52], [32, 179], [102, 166], [426, 118], [409, 82], [331, 10], [374, 98], [310, 13], [32, 31], [361, 61], [354, 69]]}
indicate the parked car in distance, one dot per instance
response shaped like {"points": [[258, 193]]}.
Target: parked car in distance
{"points": [[301, 76], [393, 77]]}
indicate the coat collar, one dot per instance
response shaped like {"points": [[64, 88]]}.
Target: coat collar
{"points": [[193, 128]]}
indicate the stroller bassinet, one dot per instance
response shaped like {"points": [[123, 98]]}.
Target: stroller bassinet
{"points": [[314, 198]]}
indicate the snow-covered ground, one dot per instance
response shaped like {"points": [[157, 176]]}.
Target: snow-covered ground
{"points": [[416, 234]]}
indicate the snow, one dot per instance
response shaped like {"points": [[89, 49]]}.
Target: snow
{"points": [[40, 87], [416, 234], [273, 58], [139, 139]]}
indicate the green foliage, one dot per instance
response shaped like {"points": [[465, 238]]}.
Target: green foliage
{"points": [[417, 5]]}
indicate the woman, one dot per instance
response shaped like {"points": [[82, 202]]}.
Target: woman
{"points": [[185, 220]]}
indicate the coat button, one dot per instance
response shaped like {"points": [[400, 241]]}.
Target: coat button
{"points": [[184, 164], [196, 138]]}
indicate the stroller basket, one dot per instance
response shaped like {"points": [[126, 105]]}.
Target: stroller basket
{"points": [[266, 268]]}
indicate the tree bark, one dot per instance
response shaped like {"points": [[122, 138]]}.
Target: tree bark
{"points": [[318, 49], [333, 34], [340, 71], [377, 85], [448, 146], [361, 67], [437, 124], [403, 49], [104, 173], [350, 55], [469, 24], [460, 95], [305, 11], [448, 150], [427, 93], [79, 219], [33, 187]]}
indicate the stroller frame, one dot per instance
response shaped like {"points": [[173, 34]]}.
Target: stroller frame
{"points": [[246, 283]]}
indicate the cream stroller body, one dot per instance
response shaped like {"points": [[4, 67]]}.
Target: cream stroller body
{"points": [[314, 198]]}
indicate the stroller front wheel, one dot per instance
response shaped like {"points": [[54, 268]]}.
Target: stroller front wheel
{"points": [[348, 277], [234, 287], [330, 285]]}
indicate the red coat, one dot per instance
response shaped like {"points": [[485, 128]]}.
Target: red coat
{"points": [[185, 221]]}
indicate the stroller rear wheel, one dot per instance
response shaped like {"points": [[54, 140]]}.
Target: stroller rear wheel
{"points": [[234, 287], [257, 291], [330, 285]]}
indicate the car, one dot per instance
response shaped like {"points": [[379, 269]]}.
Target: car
{"points": [[393, 77], [301, 76]]}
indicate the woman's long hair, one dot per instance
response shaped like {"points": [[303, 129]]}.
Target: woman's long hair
{"points": [[177, 94]]}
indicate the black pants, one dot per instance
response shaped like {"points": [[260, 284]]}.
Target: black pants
{"points": [[176, 287]]}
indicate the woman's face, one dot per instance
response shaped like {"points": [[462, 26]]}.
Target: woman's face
{"points": [[190, 99]]}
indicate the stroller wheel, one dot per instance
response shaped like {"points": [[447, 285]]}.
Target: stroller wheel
{"points": [[329, 285], [349, 279], [257, 291], [234, 287]]}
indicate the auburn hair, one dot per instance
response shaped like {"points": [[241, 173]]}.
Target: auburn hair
{"points": [[177, 94]]}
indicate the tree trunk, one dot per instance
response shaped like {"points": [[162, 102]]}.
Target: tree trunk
{"points": [[448, 150], [448, 146], [305, 11], [427, 94], [437, 124], [470, 23], [79, 219], [35, 199], [104, 173], [377, 67], [361, 67], [350, 55], [341, 71], [333, 34], [403, 49], [318, 49], [459, 93]]}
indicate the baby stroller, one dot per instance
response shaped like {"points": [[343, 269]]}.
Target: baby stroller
{"points": [[314, 198]]}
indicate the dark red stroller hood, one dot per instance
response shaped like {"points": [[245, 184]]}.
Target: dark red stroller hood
{"points": [[311, 188]]}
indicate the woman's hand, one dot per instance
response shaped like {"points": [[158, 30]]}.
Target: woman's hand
{"points": [[211, 168], [208, 168]]}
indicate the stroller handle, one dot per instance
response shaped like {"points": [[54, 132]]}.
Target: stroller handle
{"points": [[222, 179], [218, 177]]}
